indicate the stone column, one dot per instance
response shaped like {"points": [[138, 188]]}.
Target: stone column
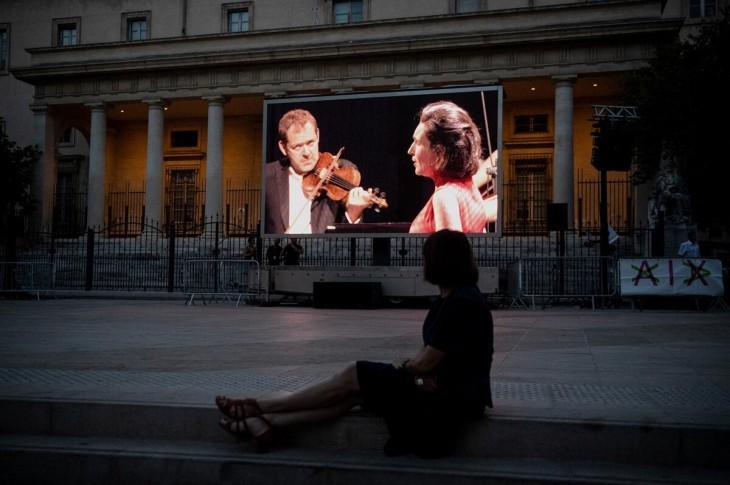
{"points": [[44, 174], [563, 157], [97, 165], [154, 181], [214, 162]]}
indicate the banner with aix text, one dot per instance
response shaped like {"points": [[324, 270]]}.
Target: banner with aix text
{"points": [[671, 277]]}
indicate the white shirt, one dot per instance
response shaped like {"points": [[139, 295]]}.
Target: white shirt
{"points": [[688, 249], [300, 207]]}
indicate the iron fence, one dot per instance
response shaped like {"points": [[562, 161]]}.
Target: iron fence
{"points": [[27, 277], [154, 259]]}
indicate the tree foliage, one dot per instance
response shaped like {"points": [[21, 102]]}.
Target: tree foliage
{"points": [[681, 97], [16, 166]]}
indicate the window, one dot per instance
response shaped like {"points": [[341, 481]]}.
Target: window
{"points": [[184, 139], [184, 199], [238, 21], [136, 26], [67, 35], [66, 31], [531, 124], [530, 197], [67, 139], [702, 8], [347, 12], [464, 6], [237, 17], [137, 29], [4, 48]]}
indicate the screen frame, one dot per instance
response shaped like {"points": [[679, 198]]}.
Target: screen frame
{"points": [[340, 118]]}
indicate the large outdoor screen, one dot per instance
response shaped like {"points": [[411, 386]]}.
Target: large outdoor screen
{"points": [[373, 131]]}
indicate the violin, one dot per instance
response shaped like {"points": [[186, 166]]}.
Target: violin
{"points": [[330, 178]]}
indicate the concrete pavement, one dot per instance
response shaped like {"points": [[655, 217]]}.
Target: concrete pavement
{"points": [[647, 389], [618, 364]]}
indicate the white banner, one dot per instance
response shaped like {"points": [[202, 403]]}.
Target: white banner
{"points": [[671, 277]]}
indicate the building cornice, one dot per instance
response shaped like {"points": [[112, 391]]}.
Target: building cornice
{"points": [[443, 49]]}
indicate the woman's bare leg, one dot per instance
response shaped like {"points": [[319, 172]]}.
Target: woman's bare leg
{"points": [[257, 426], [333, 394]]}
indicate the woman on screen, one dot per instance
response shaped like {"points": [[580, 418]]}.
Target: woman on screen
{"points": [[447, 148]]}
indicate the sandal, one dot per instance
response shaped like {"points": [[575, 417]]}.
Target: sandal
{"points": [[263, 441], [236, 428], [238, 409]]}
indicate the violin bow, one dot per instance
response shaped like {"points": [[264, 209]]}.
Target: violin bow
{"points": [[490, 185]]}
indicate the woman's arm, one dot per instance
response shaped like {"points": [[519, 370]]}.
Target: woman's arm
{"points": [[422, 365], [425, 361]]}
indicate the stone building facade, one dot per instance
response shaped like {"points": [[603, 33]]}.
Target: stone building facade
{"points": [[142, 103]]}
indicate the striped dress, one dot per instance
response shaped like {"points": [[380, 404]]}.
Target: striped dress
{"points": [[471, 209]]}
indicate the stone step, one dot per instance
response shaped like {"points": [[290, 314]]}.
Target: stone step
{"points": [[38, 459], [95, 442]]}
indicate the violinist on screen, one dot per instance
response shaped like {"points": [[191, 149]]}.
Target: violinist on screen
{"points": [[292, 207]]}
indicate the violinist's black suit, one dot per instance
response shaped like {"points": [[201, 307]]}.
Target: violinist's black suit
{"points": [[325, 211]]}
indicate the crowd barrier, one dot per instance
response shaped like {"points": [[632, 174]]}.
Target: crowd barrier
{"points": [[27, 277], [555, 278], [210, 279]]}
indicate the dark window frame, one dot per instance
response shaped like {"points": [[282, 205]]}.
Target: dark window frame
{"points": [[60, 26], [531, 124], [4, 48], [227, 9], [129, 20], [351, 15], [467, 6], [178, 137], [702, 8]]}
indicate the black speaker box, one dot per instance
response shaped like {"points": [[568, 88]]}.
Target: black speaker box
{"points": [[557, 217], [615, 146], [351, 294]]}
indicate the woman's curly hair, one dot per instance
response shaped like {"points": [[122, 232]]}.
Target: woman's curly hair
{"points": [[450, 129]]}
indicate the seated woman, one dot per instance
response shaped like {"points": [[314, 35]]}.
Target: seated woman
{"points": [[427, 398], [447, 148]]}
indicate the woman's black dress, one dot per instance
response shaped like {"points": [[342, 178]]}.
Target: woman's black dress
{"points": [[424, 422]]}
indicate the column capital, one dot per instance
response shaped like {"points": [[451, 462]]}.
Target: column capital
{"points": [[565, 78], [155, 102], [97, 106], [216, 98], [40, 108]]}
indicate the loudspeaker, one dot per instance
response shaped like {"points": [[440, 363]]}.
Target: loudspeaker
{"points": [[557, 217], [613, 145], [334, 294]]}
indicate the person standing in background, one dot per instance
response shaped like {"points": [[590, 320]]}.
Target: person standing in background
{"points": [[249, 252], [291, 253], [273, 253], [690, 248]]}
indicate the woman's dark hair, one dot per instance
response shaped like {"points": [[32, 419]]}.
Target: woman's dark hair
{"points": [[450, 128], [448, 259]]}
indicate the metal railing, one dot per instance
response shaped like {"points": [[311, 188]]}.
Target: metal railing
{"points": [[25, 277], [559, 278], [155, 259], [221, 278]]}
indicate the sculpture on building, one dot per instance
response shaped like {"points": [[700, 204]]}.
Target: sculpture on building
{"points": [[669, 196]]}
